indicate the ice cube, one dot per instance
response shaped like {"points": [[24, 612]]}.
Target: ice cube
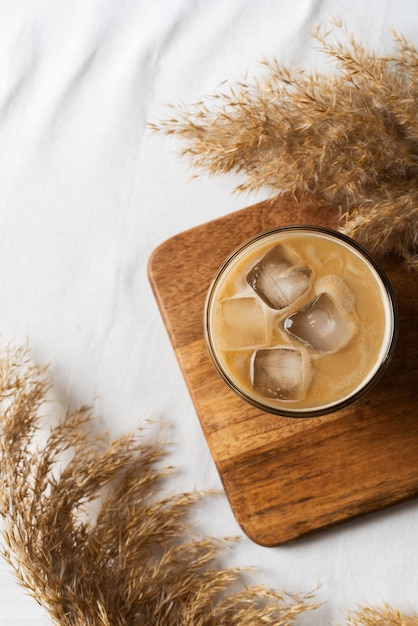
{"points": [[240, 323], [281, 372], [338, 290], [278, 279], [321, 325]]}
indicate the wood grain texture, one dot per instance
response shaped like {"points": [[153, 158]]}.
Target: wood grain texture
{"points": [[286, 477]]}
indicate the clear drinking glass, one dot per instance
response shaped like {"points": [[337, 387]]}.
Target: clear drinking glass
{"points": [[300, 321]]}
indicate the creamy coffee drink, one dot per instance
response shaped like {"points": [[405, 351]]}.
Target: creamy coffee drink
{"points": [[300, 321]]}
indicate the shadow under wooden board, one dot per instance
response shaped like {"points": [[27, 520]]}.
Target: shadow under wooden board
{"points": [[288, 477]]}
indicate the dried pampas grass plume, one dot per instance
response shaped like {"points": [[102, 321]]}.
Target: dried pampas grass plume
{"points": [[131, 559], [348, 139], [387, 616]]}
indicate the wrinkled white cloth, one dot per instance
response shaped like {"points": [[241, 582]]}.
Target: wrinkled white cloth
{"points": [[87, 193]]}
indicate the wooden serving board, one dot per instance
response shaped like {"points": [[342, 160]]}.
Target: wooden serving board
{"points": [[286, 477]]}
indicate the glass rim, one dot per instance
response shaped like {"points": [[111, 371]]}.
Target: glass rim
{"points": [[331, 407]]}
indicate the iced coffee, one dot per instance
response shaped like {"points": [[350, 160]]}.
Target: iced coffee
{"points": [[300, 321]]}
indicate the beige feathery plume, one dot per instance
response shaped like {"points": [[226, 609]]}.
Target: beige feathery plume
{"points": [[386, 616], [129, 560], [347, 139]]}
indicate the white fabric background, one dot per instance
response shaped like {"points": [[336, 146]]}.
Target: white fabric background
{"points": [[86, 194]]}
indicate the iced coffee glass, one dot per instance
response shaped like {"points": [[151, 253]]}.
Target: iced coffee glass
{"points": [[300, 321]]}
